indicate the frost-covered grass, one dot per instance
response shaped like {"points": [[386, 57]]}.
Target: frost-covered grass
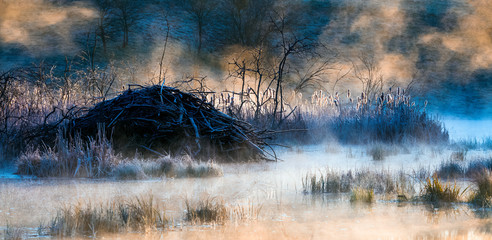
{"points": [[96, 159], [390, 117], [177, 167]]}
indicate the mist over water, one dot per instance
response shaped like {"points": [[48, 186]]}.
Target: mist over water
{"points": [[439, 51]]}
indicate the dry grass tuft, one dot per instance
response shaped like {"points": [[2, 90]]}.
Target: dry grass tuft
{"points": [[241, 213], [209, 210], [139, 214], [435, 191], [362, 195], [482, 196]]}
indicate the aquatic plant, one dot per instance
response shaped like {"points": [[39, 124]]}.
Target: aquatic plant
{"points": [[362, 195], [208, 210], [382, 182], [137, 214], [177, 167], [482, 195], [450, 169], [435, 191]]}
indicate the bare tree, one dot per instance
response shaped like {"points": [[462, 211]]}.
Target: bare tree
{"points": [[255, 64], [314, 69], [128, 13], [369, 74], [200, 11], [104, 11], [249, 20], [288, 44], [162, 72]]}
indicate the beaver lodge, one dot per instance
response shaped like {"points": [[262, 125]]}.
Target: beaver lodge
{"points": [[159, 120]]}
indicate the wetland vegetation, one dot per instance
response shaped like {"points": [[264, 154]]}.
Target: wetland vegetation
{"points": [[227, 119]]}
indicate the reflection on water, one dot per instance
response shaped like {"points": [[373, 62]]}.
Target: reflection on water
{"points": [[286, 212]]}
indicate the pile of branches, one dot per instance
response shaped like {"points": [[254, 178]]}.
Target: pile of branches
{"points": [[159, 120]]}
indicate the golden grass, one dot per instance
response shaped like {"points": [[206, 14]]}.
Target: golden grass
{"points": [[208, 210], [362, 195], [138, 214], [213, 210], [435, 191], [482, 196]]}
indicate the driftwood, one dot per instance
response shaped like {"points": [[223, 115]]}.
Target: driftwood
{"points": [[158, 120]]}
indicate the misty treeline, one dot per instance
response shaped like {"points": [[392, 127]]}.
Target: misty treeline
{"points": [[274, 71]]}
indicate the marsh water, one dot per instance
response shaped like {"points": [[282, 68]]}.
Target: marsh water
{"points": [[271, 189]]}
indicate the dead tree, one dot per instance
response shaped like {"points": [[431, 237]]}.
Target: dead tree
{"points": [[200, 11], [249, 20], [288, 44], [128, 13], [369, 74], [103, 14], [255, 65]]}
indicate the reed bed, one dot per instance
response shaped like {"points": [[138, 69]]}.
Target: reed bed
{"points": [[380, 182], [389, 117], [138, 214], [453, 169], [473, 144], [364, 185], [94, 159], [214, 210]]}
